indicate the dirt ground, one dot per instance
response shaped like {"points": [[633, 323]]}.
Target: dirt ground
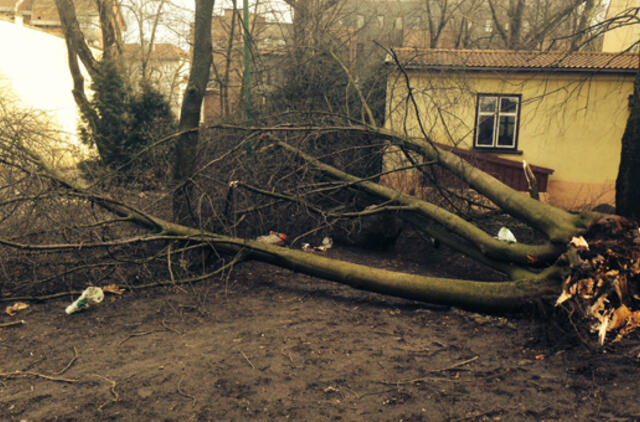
{"points": [[270, 344]]}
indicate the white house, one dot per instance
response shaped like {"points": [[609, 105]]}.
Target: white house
{"points": [[34, 74]]}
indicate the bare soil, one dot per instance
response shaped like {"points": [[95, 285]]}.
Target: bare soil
{"points": [[269, 344]]}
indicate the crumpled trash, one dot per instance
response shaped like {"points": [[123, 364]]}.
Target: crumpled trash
{"points": [[327, 243], [273, 238], [91, 295], [506, 235]]}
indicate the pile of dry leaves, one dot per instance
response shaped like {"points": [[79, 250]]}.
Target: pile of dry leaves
{"points": [[604, 283]]}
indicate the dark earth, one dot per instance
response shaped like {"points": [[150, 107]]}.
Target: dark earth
{"points": [[268, 344]]}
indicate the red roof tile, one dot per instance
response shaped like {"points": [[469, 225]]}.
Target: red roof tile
{"points": [[509, 60]]}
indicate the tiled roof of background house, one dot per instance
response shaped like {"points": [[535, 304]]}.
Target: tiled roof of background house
{"points": [[45, 11], [26, 6], [414, 58]]}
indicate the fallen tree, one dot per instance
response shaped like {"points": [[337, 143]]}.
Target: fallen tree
{"points": [[309, 178], [545, 270]]}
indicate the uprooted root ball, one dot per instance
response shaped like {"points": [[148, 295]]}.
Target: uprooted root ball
{"points": [[604, 282]]}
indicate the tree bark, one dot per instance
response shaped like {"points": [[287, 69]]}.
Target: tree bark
{"points": [[77, 48], [110, 29], [191, 108], [73, 35], [627, 191]]}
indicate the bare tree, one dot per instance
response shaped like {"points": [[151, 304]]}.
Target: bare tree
{"points": [[78, 48], [522, 25], [147, 15], [191, 108], [441, 17], [152, 56]]}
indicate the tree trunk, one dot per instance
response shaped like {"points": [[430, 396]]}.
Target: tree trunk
{"points": [[77, 48], [110, 29], [191, 108], [516, 10], [73, 35], [627, 191], [613, 239]]}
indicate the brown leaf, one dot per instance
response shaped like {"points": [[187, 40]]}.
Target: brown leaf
{"points": [[612, 273], [633, 322], [113, 288], [619, 318], [15, 308]]}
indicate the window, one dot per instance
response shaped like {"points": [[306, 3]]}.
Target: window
{"points": [[497, 122], [488, 25]]}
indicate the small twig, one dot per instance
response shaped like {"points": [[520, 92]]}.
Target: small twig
{"points": [[41, 298], [114, 393], [12, 323], [32, 364], [433, 371], [144, 333], [373, 393], [173, 280], [455, 365], [73, 359], [182, 393], [247, 359], [23, 374], [164, 324]]}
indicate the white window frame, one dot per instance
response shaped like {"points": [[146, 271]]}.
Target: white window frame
{"points": [[497, 113]]}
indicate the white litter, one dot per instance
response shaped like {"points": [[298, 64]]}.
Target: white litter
{"points": [[91, 295], [506, 235]]}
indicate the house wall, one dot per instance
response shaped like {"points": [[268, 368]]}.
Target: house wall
{"points": [[571, 123], [41, 82], [269, 52]]}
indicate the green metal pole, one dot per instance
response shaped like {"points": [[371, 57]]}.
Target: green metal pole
{"points": [[247, 60]]}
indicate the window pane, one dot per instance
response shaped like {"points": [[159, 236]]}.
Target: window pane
{"points": [[508, 104], [488, 104], [506, 131], [485, 131]]}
